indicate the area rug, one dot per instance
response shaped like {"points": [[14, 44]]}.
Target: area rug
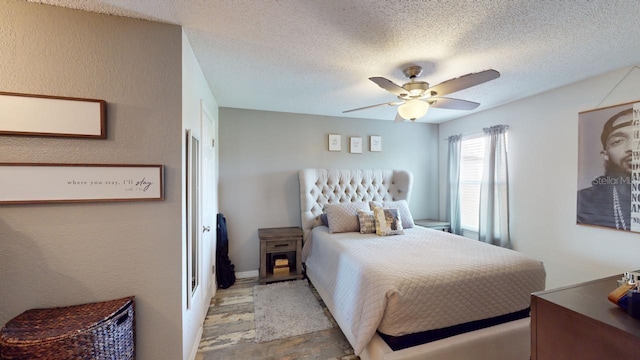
{"points": [[286, 309]]}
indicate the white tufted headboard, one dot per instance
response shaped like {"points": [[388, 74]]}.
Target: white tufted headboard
{"points": [[327, 186]]}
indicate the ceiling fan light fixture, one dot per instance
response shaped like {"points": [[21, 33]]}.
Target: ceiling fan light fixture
{"points": [[417, 96], [413, 109]]}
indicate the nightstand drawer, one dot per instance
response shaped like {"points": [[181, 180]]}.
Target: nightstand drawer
{"points": [[284, 245]]}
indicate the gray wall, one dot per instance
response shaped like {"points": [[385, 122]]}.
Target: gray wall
{"points": [[543, 172], [64, 254], [261, 153]]}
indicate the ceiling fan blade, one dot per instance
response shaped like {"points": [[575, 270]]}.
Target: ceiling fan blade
{"points": [[453, 104], [463, 82], [390, 86], [393, 103], [398, 118]]}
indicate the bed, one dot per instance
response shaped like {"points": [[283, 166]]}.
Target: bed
{"points": [[419, 294]]}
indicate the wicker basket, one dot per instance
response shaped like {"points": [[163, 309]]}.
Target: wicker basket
{"points": [[104, 330]]}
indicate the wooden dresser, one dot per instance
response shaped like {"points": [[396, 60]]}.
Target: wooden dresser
{"points": [[578, 322]]}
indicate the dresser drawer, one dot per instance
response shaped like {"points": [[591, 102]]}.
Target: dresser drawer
{"points": [[284, 245]]}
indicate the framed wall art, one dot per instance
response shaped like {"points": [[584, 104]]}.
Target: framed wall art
{"points": [[609, 167], [334, 142], [355, 145], [375, 143], [43, 115], [25, 183]]}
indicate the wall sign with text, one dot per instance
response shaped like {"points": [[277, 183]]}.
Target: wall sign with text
{"points": [[50, 183]]}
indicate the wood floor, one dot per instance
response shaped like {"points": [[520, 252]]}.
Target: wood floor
{"points": [[229, 332]]}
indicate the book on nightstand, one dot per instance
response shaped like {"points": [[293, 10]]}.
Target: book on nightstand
{"points": [[281, 270], [281, 265], [282, 262]]}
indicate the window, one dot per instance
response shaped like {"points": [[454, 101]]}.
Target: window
{"points": [[471, 164]]}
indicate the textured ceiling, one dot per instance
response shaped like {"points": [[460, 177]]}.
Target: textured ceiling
{"points": [[315, 57]]}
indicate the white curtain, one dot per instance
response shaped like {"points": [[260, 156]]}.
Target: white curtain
{"points": [[494, 189], [453, 188]]}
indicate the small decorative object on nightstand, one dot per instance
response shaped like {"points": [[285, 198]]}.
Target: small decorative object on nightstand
{"points": [[433, 224], [280, 254]]}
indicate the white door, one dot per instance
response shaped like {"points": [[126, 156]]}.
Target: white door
{"points": [[208, 185]]}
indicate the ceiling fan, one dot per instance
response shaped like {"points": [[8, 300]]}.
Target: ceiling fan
{"points": [[415, 97]]}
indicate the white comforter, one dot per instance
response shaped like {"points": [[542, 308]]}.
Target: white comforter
{"points": [[423, 280]]}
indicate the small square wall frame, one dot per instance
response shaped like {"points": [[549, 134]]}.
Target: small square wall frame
{"points": [[335, 142], [355, 145]]}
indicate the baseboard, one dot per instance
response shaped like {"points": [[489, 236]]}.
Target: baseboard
{"points": [[213, 287], [196, 344], [247, 274]]}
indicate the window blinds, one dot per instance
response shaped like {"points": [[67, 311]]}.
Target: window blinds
{"points": [[471, 162]]}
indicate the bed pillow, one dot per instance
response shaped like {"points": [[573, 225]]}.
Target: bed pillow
{"points": [[343, 217], [323, 220], [388, 221], [403, 209], [367, 222]]}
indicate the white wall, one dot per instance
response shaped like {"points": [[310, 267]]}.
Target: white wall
{"points": [[196, 93], [65, 254], [261, 153], [543, 158]]}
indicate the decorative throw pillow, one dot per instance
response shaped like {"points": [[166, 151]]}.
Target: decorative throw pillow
{"points": [[367, 222], [403, 209], [387, 221], [343, 217], [323, 220]]}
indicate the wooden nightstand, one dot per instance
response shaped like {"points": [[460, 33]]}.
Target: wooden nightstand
{"points": [[285, 242], [433, 224]]}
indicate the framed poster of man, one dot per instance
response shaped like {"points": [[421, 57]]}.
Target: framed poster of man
{"points": [[608, 167]]}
